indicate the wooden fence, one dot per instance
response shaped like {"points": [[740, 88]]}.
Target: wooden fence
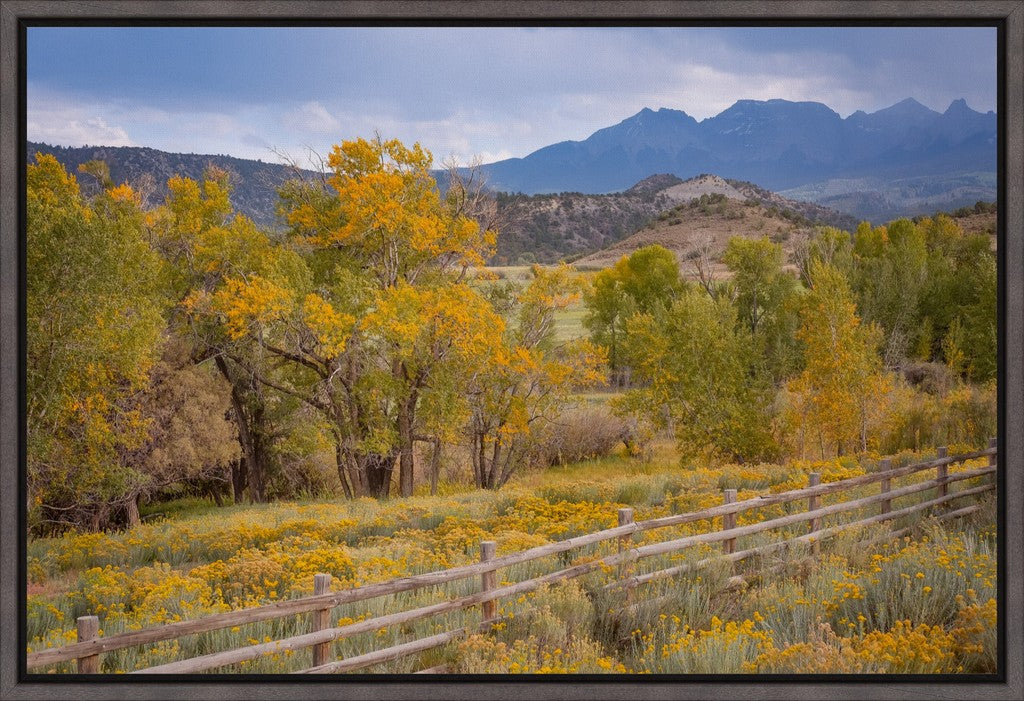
{"points": [[86, 652]]}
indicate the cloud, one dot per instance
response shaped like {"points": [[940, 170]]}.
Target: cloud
{"points": [[244, 91], [92, 131], [310, 117]]}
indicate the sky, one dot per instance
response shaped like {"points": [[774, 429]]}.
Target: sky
{"points": [[466, 93]]}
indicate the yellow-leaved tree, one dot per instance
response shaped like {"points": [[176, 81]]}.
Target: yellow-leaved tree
{"points": [[381, 329], [208, 249], [527, 378], [842, 385]]}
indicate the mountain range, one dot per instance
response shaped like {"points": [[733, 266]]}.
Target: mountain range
{"points": [[906, 159]]}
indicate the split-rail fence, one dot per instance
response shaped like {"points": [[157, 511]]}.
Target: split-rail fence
{"points": [[86, 652]]}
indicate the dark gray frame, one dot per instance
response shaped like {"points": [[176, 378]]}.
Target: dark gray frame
{"points": [[1011, 462]]}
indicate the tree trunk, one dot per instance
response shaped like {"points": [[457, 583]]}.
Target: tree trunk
{"points": [[258, 466], [100, 517], [475, 453], [378, 473], [213, 489], [405, 440], [251, 447], [482, 458], [342, 465], [239, 478], [494, 476], [435, 465], [132, 507]]}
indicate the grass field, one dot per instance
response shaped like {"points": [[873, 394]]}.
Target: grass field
{"points": [[924, 604], [568, 322]]}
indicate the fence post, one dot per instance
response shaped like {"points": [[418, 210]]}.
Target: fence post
{"points": [[488, 580], [813, 480], [625, 518], [729, 522], [993, 443], [88, 629], [321, 619], [940, 476], [884, 466]]}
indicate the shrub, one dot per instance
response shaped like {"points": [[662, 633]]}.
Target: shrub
{"points": [[583, 433]]}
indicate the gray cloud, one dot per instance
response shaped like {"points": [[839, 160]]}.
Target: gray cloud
{"points": [[467, 91]]}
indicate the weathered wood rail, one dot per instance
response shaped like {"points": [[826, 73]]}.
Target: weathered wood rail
{"points": [[86, 652]]}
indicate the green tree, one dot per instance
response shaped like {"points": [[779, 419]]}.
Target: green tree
{"points": [[696, 361], [646, 282], [93, 322], [890, 279], [981, 320], [765, 297], [961, 284]]}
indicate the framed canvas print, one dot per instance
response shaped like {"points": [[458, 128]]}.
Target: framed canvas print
{"points": [[444, 350]]}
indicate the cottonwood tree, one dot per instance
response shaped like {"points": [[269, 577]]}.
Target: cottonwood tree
{"points": [[644, 282], [525, 381], [205, 245], [890, 278], [765, 299], [842, 384], [697, 362], [374, 333], [93, 322]]}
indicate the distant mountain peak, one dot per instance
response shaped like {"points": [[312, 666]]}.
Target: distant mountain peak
{"points": [[907, 107], [660, 113], [779, 144], [959, 106]]}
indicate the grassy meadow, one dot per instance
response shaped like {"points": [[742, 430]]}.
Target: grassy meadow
{"points": [[922, 604]]}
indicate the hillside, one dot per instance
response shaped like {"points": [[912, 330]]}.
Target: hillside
{"points": [[899, 161], [254, 183], [724, 209], [545, 228], [708, 222]]}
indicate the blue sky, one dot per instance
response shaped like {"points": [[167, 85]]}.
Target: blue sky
{"points": [[491, 93]]}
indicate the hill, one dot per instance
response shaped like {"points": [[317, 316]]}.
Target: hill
{"points": [[254, 183], [899, 161], [706, 224], [724, 209], [546, 228]]}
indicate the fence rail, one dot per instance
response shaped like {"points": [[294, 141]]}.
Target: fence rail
{"points": [[87, 651]]}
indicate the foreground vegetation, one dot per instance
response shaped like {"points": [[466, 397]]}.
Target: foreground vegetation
{"points": [[923, 604]]}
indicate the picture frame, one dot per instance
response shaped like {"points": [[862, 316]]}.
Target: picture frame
{"points": [[1009, 14]]}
